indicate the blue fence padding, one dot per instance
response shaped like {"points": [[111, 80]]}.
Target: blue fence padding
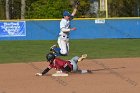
{"points": [[43, 30], [126, 28], [86, 29]]}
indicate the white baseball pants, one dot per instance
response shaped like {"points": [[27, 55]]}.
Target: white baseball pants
{"points": [[63, 42]]}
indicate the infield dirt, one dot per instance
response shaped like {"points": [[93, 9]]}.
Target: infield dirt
{"points": [[116, 75]]}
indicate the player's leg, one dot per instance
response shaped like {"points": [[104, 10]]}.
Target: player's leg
{"points": [[74, 61], [67, 43], [63, 46], [55, 50]]}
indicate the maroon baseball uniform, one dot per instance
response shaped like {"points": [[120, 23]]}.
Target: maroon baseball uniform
{"points": [[59, 64]]}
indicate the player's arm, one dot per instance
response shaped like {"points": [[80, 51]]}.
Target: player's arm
{"points": [[44, 72], [77, 3], [63, 28], [67, 29], [74, 11]]}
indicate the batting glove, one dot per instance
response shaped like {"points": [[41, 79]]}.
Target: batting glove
{"points": [[38, 74]]}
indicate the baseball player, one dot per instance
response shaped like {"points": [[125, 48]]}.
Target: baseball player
{"points": [[65, 29], [64, 66]]}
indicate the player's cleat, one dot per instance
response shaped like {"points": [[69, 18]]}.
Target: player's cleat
{"points": [[38, 74], [89, 71], [82, 57], [52, 48], [60, 73], [55, 50], [85, 71]]}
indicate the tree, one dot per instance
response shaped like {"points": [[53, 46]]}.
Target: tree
{"points": [[23, 4], [55, 8], [2, 9], [84, 8], [122, 8], [16, 9], [7, 9], [47, 9]]}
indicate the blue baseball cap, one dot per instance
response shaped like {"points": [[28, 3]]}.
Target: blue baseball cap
{"points": [[66, 13]]}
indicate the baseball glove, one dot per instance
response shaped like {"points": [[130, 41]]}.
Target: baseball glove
{"points": [[76, 3]]}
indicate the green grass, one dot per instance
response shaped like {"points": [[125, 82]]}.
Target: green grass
{"points": [[30, 51]]}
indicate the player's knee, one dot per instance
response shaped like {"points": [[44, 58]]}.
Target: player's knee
{"points": [[64, 52], [75, 59]]}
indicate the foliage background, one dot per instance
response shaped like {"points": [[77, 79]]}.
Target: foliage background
{"points": [[54, 8]]}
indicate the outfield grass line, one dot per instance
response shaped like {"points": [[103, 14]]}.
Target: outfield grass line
{"points": [[35, 51]]}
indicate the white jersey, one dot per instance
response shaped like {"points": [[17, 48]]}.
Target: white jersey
{"points": [[63, 39], [64, 24]]}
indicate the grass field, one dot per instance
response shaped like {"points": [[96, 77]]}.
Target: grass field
{"points": [[33, 51]]}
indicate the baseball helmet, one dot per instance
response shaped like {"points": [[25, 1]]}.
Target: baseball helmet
{"points": [[66, 13], [50, 57]]}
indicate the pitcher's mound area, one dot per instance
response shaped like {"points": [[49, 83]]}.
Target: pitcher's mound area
{"points": [[116, 75]]}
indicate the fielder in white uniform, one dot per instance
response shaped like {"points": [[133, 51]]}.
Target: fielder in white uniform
{"points": [[65, 29]]}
